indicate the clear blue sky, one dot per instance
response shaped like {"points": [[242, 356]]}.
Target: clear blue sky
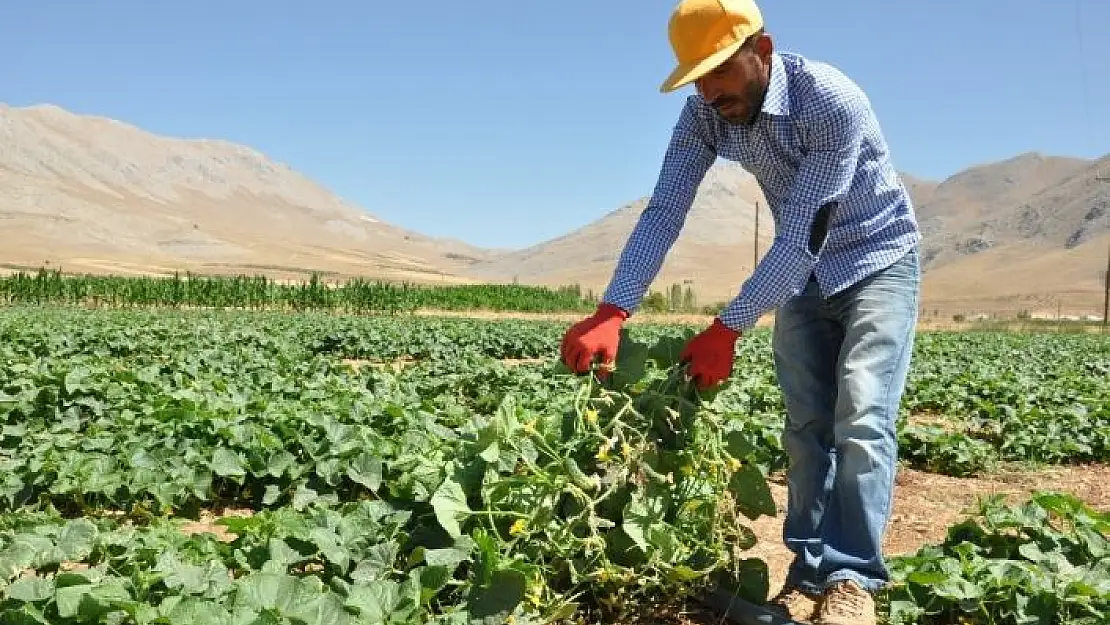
{"points": [[506, 123]]}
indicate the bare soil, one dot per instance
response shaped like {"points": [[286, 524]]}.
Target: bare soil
{"points": [[207, 523], [925, 324], [640, 317], [399, 364], [926, 504]]}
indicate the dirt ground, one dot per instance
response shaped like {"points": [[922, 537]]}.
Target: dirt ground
{"points": [[926, 504], [569, 318], [927, 323], [400, 364]]}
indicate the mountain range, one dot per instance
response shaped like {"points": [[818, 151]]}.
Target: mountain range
{"points": [[97, 195]]}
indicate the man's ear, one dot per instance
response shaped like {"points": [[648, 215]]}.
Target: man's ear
{"points": [[764, 47]]}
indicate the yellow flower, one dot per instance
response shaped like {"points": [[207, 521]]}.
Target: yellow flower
{"points": [[535, 593], [519, 526], [591, 415], [530, 427], [734, 464], [626, 449], [603, 452]]}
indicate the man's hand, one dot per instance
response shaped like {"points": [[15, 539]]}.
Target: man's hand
{"points": [[596, 334], [711, 355]]}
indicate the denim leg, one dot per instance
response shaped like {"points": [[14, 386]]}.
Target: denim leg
{"points": [[879, 316], [806, 342]]}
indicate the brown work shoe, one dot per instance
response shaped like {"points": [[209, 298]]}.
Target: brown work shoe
{"points": [[846, 603], [794, 604]]}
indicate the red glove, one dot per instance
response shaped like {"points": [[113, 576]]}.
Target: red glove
{"points": [[596, 334], [711, 355]]}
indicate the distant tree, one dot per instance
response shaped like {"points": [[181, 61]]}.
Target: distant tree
{"points": [[675, 301], [689, 303], [655, 302]]}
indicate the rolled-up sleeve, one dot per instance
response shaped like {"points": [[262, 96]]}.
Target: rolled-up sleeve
{"points": [[689, 155], [832, 138]]}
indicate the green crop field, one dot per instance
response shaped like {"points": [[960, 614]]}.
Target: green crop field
{"points": [[261, 293], [314, 468]]}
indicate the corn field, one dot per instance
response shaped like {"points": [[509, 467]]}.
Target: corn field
{"points": [[261, 293]]}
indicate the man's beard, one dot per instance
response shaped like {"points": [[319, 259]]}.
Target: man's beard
{"points": [[751, 103]]}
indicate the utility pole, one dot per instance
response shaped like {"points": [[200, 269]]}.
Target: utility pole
{"points": [[1106, 286], [755, 260]]}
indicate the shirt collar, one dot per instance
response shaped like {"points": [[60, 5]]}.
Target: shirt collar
{"points": [[777, 101]]}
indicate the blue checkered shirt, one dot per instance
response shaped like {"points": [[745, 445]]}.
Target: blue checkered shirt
{"points": [[817, 143]]}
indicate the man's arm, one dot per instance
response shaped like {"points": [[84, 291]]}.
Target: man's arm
{"points": [[833, 141], [689, 155]]}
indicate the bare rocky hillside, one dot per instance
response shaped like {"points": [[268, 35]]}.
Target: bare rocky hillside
{"points": [[1032, 233], [713, 253], [93, 194], [1025, 233], [981, 207]]}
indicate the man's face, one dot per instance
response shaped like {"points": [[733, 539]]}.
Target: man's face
{"points": [[737, 87]]}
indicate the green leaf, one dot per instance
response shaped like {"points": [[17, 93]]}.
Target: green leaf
{"points": [[330, 545], [378, 563], [24, 551], [491, 453], [193, 611], [77, 380], [303, 497], [375, 602], [451, 557], [643, 520], [683, 573], [451, 509], [178, 575], [667, 350], [738, 445], [30, 589], [904, 612], [492, 604], [752, 494], [321, 609], [280, 462], [631, 362], [748, 579], [487, 559], [90, 601], [24, 615], [303, 599], [957, 589], [432, 580], [270, 495], [366, 469], [227, 463], [75, 542]]}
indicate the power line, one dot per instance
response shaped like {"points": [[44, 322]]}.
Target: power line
{"points": [[1106, 278]]}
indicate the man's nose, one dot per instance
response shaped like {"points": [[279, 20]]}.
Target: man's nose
{"points": [[707, 88]]}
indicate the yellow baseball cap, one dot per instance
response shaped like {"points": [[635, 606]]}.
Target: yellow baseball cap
{"points": [[704, 33]]}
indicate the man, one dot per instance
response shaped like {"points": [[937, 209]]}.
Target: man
{"points": [[842, 275]]}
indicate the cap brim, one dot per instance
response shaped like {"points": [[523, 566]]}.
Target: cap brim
{"points": [[686, 74]]}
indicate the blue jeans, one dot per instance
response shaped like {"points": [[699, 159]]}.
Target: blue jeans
{"points": [[842, 363]]}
